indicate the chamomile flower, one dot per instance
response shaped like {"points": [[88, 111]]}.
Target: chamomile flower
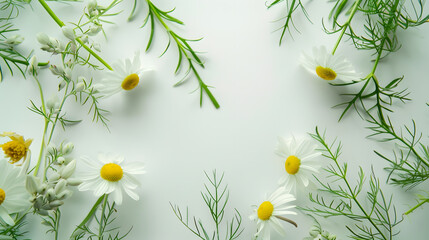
{"points": [[13, 194], [125, 77], [109, 175], [299, 157], [329, 67], [17, 148], [269, 212]]}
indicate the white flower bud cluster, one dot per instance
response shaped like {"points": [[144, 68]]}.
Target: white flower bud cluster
{"points": [[316, 233], [13, 40], [94, 11], [51, 193], [61, 154], [50, 44]]}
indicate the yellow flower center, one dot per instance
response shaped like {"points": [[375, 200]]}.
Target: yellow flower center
{"points": [[2, 196], [292, 164], [326, 73], [15, 150], [111, 172], [265, 210], [130, 82]]}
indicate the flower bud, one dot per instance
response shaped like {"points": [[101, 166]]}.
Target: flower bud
{"points": [[53, 103], [64, 194], [68, 33], [68, 148], [14, 40], [56, 203], [50, 195], [61, 160], [56, 70], [51, 148], [61, 186], [80, 87], [74, 181], [68, 170], [43, 39], [92, 5], [33, 67], [94, 29], [61, 85], [54, 177]]}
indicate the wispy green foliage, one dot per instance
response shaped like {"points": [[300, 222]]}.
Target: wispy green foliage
{"points": [[15, 232], [409, 164], [188, 57], [291, 7], [373, 213], [383, 18], [104, 228], [216, 198]]}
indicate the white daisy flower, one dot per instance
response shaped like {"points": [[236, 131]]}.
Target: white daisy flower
{"points": [[329, 67], [110, 175], [125, 77], [269, 212], [13, 194], [299, 159]]}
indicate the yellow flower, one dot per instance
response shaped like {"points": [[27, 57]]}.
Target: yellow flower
{"points": [[17, 148]]}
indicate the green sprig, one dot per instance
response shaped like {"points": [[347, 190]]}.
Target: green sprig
{"points": [[216, 199], [291, 7], [377, 221], [187, 55]]}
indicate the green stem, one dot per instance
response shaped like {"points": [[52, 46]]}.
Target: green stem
{"points": [[42, 147], [24, 62], [101, 227], [343, 176], [61, 24], [346, 25], [417, 206], [59, 111], [89, 215], [203, 86]]}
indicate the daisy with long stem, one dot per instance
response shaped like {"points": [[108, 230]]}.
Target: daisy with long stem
{"points": [[269, 212]]}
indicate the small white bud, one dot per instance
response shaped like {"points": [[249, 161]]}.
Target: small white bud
{"points": [[53, 103], [61, 160], [68, 33], [64, 194], [61, 186], [68, 73], [74, 181], [14, 40], [41, 188], [79, 87], [68, 148], [43, 39], [61, 85], [68, 170], [50, 195], [54, 177], [94, 29], [92, 5], [56, 70], [56, 203], [51, 148], [33, 67]]}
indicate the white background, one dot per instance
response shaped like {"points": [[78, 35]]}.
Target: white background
{"points": [[263, 93]]}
